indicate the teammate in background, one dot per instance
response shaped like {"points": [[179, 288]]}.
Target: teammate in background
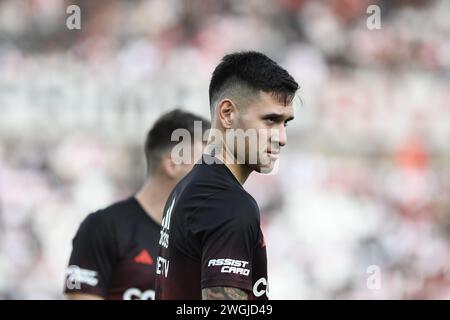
{"points": [[211, 244], [114, 250]]}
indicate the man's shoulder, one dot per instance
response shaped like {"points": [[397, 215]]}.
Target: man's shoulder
{"points": [[232, 202], [199, 184], [111, 213], [237, 196]]}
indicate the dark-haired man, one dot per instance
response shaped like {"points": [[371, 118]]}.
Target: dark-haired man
{"points": [[115, 249], [211, 244]]}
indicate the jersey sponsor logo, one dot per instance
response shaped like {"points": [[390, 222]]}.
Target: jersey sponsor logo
{"points": [[230, 266], [162, 266], [227, 262], [75, 276], [164, 232], [144, 257], [164, 239], [261, 287], [136, 294]]}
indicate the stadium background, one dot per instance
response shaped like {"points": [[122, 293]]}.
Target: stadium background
{"points": [[365, 177]]}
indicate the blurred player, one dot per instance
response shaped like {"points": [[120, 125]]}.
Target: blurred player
{"points": [[114, 250], [211, 244]]}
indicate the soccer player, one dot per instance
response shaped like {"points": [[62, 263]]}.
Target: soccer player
{"points": [[211, 244], [115, 249]]}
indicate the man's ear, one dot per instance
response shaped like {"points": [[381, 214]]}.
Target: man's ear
{"points": [[168, 166], [226, 113]]}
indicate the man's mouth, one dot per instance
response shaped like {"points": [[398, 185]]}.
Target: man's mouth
{"points": [[274, 155]]}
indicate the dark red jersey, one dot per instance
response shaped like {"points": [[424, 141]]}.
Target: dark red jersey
{"points": [[210, 236], [114, 253]]}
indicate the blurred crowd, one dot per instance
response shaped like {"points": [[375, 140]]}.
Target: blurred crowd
{"points": [[360, 207]]}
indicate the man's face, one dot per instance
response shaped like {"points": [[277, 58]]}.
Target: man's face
{"points": [[267, 118]]}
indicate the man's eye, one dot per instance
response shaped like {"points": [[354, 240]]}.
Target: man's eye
{"points": [[270, 120]]}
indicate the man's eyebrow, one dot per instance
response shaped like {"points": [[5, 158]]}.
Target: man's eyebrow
{"points": [[276, 115]]}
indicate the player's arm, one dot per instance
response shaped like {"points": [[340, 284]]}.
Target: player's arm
{"points": [[224, 293], [92, 259], [83, 296]]}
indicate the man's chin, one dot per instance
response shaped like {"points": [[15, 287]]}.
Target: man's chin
{"points": [[270, 168]]}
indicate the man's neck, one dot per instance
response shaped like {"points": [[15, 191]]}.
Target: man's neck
{"points": [[240, 171], [153, 196]]}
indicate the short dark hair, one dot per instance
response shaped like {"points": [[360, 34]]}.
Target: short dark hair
{"points": [[252, 71], [158, 139]]}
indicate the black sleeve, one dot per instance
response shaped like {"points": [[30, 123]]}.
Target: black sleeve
{"points": [[93, 256], [227, 229]]}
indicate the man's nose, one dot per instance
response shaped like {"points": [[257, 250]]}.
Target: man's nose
{"points": [[282, 136], [279, 138]]}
